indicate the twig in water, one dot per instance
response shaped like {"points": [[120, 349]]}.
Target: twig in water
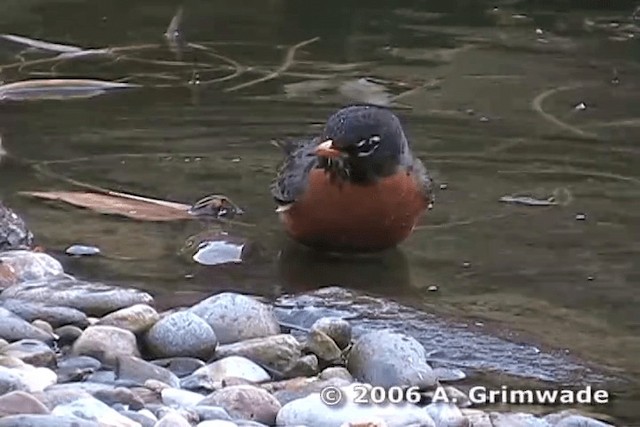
{"points": [[238, 68], [536, 105], [288, 62]]}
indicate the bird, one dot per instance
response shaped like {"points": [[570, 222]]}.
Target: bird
{"points": [[356, 187]]}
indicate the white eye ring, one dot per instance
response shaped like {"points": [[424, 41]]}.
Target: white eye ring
{"points": [[373, 144], [375, 139]]}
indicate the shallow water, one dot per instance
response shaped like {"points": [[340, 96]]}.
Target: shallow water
{"points": [[500, 114]]}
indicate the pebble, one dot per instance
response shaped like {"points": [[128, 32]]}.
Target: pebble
{"points": [[45, 326], [210, 376], [172, 419], [307, 366], [55, 316], [33, 352], [19, 402], [323, 346], [45, 421], [14, 328], [91, 409], [82, 250], [207, 412], [217, 423], [571, 418], [245, 402], [516, 419], [446, 415], [144, 420], [67, 334], [181, 334], [177, 397], [13, 230], [276, 352], [138, 318], [28, 378], [119, 395], [386, 358], [29, 266], [106, 343], [336, 328], [235, 317], [180, 366], [138, 371], [581, 217]]}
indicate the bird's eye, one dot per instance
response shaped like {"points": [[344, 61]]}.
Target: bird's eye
{"points": [[367, 146]]}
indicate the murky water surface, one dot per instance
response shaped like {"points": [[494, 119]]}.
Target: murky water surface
{"points": [[510, 98]]}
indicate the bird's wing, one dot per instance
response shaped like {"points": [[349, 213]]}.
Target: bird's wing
{"points": [[421, 174], [293, 172]]}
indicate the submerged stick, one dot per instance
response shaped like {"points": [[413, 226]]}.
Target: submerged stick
{"points": [[40, 44], [536, 105], [286, 64]]}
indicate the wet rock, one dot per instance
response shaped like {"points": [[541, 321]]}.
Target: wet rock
{"points": [[210, 375], [55, 316], [339, 330], [33, 352], [19, 402], [172, 419], [91, 409], [449, 374], [236, 317], [388, 359], [311, 411], [323, 346], [447, 415], [14, 233], [27, 378], [94, 299], [245, 402], [138, 371], [45, 421], [181, 334], [138, 318], [14, 328], [180, 366], [207, 412], [517, 419], [43, 325], [177, 397], [276, 352], [106, 343], [27, 265], [119, 395], [67, 335], [82, 250]]}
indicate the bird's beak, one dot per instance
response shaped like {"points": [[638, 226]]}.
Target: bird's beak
{"points": [[327, 150]]}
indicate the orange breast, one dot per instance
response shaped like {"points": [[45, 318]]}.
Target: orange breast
{"points": [[343, 216]]}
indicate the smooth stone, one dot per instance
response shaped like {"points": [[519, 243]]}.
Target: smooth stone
{"points": [[15, 328], [137, 318], [67, 334], [29, 266], [82, 250], [91, 409], [323, 346], [138, 371], [307, 366], [516, 419], [449, 374], [10, 382], [366, 422], [44, 325], [177, 397], [186, 413], [336, 372], [181, 334], [143, 420], [76, 368], [208, 377], [180, 366], [245, 402], [295, 391], [94, 299], [104, 376], [217, 423], [459, 397], [30, 378], [207, 412], [3, 343], [235, 317], [172, 419], [312, 412], [19, 402], [55, 316], [477, 418], [61, 394], [33, 352], [570, 418], [339, 330], [277, 353], [385, 358], [45, 421], [106, 343], [447, 415], [119, 395], [149, 397]]}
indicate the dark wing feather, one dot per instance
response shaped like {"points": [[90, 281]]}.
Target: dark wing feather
{"points": [[291, 179]]}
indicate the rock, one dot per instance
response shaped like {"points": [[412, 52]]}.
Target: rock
{"points": [[177, 397], [68, 334], [306, 366], [180, 366], [19, 402], [217, 423], [339, 330], [366, 422], [445, 374], [95, 299], [209, 377], [236, 317], [61, 394], [27, 378], [43, 325], [14, 233], [449, 394], [571, 418], [323, 346], [145, 419], [206, 412], [245, 402], [186, 413], [447, 415], [387, 359], [336, 372], [138, 371], [299, 388], [477, 418], [33, 352], [181, 334], [172, 419], [82, 250], [45, 421], [27, 266], [119, 395], [277, 353], [106, 343], [105, 376], [76, 368], [92, 409], [3, 343], [137, 318], [516, 419], [14, 328], [55, 316]]}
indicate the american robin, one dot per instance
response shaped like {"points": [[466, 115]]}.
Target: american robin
{"points": [[355, 188]]}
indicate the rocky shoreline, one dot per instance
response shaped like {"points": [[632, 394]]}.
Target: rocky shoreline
{"points": [[75, 353]]}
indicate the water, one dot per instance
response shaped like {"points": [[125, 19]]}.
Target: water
{"points": [[501, 114]]}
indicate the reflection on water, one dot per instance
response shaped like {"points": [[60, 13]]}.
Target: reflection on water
{"points": [[499, 98]]}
